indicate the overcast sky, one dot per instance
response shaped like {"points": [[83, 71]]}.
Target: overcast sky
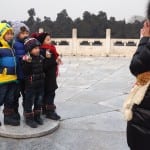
{"points": [[17, 9]]}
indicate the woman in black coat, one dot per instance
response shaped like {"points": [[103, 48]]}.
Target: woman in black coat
{"points": [[138, 129]]}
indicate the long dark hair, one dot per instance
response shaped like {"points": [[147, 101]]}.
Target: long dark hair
{"points": [[148, 11]]}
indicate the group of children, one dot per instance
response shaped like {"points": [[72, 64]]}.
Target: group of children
{"points": [[28, 67]]}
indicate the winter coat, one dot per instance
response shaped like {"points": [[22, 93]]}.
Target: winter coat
{"points": [[33, 72], [7, 63], [138, 129], [50, 68], [20, 52]]}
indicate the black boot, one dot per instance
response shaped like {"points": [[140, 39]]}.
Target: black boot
{"points": [[17, 115], [9, 118], [37, 117], [30, 120], [51, 113]]}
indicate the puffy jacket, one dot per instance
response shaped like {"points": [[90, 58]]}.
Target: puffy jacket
{"points": [[7, 63], [50, 68], [138, 129], [140, 64], [33, 72], [141, 60], [20, 52]]}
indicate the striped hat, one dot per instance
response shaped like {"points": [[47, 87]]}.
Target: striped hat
{"points": [[31, 43], [4, 28]]}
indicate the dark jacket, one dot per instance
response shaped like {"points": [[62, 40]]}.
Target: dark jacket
{"points": [[138, 129], [50, 69], [33, 72], [20, 52], [141, 63]]}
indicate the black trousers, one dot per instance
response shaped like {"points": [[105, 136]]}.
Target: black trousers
{"points": [[7, 93], [20, 89], [33, 97], [49, 97]]}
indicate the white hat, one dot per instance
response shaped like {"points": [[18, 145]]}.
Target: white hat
{"points": [[17, 27]]}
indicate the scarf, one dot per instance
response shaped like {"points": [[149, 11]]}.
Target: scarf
{"points": [[136, 94], [53, 50]]}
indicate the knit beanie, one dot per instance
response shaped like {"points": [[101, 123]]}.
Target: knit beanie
{"points": [[31, 43], [40, 36], [4, 28], [19, 27]]}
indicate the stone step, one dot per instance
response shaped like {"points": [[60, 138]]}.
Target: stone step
{"points": [[23, 131]]}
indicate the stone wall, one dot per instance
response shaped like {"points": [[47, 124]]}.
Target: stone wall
{"points": [[95, 47]]}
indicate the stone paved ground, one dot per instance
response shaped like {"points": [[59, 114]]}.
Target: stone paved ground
{"points": [[89, 100]]}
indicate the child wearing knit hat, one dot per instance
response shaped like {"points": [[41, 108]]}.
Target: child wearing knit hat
{"points": [[52, 60], [34, 76], [21, 32], [8, 77]]}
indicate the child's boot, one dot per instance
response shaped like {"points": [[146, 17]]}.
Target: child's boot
{"points": [[29, 119], [9, 117], [51, 113], [37, 117]]}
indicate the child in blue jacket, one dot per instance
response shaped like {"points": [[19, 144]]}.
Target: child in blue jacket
{"points": [[8, 77], [21, 32]]}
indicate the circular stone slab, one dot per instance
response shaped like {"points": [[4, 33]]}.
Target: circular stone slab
{"points": [[23, 131]]}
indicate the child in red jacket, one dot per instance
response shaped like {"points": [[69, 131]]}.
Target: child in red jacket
{"points": [[52, 60]]}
